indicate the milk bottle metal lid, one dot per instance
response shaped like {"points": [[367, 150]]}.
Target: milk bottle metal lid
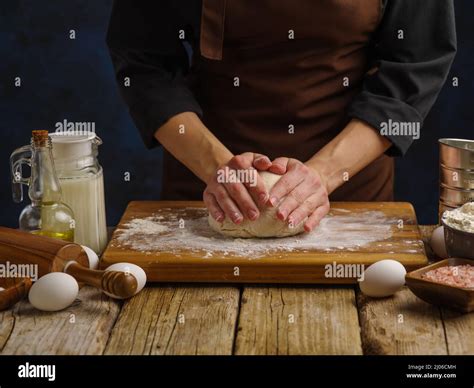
{"points": [[72, 146]]}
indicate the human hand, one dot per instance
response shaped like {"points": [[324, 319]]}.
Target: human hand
{"points": [[304, 191], [236, 190]]}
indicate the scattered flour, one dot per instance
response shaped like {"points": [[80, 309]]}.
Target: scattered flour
{"points": [[147, 226], [175, 231]]}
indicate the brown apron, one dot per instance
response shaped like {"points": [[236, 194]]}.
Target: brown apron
{"points": [[276, 77]]}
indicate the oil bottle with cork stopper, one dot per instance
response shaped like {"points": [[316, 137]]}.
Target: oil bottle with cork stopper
{"points": [[46, 215]]}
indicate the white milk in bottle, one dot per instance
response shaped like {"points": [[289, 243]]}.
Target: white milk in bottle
{"points": [[82, 184]]}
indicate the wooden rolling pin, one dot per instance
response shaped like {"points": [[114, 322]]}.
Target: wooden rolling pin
{"points": [[14, 289], [53, 255]]}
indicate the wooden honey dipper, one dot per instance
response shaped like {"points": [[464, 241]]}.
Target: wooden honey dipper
{"points": [[53, 255]]}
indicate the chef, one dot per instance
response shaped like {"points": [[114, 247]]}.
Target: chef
{"points": [[304, 88]]}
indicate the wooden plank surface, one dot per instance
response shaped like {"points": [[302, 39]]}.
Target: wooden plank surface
{"points": [[298, 321], [7, 322], [272, 320], [183, 320], [402, 324], [182, 263], [81, 329], [459, 329]]}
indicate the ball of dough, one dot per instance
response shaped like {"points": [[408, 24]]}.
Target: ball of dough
{"points": [[267, 225]]}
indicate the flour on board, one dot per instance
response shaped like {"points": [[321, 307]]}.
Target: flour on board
{"points": [[174, 231]]}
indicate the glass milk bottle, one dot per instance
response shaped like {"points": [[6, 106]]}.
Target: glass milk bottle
{"points": [[47, 215], [82, 184]]}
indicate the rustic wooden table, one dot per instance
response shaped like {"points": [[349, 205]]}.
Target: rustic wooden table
{"points": [[228, 319]]}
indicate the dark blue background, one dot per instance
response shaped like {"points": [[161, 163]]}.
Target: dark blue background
{"points": [[73, 80]]}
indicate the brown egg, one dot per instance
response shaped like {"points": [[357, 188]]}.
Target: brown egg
{"points": [[437, 243]]}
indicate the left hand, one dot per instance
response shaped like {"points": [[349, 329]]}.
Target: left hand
{"points": [[304, 191]]}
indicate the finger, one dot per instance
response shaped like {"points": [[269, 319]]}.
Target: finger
{"points": [[261, 162], [279, 165], [294, 199], [241, 162], [247, 174], [244, 164], [241, 197], [315, 218], [214, 209], [306, 209], [226, 203], [256, 188], [285, 185]]}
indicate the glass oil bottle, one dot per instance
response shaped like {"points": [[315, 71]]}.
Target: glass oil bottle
{"points": [[46, 215]]}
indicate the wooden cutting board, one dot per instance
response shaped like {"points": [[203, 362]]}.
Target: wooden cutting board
{"points": [[172, 242]]}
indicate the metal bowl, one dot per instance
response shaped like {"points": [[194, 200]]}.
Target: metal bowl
{"points": [[456, 153], [456, 197], [456, 178], [458, 242]]}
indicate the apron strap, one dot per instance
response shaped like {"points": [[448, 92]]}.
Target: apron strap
{"points": [[212, 28]]}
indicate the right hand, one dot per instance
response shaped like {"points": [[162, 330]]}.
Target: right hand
{"points": [[238, 200]]}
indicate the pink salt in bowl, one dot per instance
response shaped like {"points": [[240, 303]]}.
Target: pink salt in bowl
{"points": [[443, 290]]}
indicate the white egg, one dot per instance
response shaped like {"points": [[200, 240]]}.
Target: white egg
{"points": [[53, 292], [92, 256], [134, 270], [438, 243], [383, 278], [2, 289]]}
